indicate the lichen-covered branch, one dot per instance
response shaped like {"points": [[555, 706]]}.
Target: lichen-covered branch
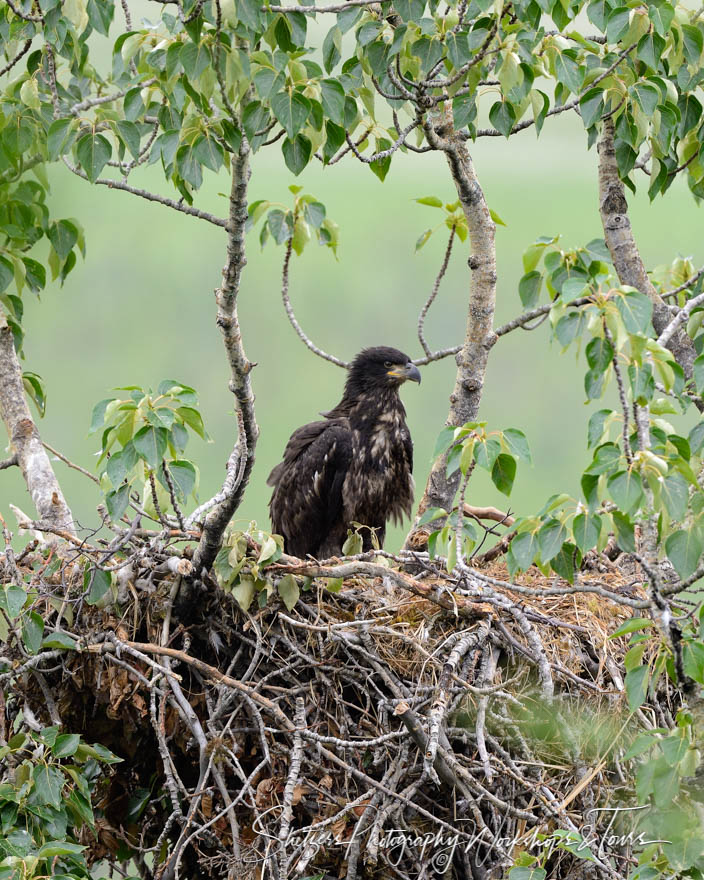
{"points": [[479, 334], [25, 441], [240, 366], [625, 255]]}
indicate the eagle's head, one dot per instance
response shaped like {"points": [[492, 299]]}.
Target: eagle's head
{"points": [[378, 369]]}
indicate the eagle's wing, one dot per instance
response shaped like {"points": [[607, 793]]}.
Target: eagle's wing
{"points": [[306, 505]]}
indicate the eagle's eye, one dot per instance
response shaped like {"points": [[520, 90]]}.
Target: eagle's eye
{"points": [[388, 364]]}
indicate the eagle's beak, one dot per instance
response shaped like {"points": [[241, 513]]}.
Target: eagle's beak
{"points": [[405, 372]]}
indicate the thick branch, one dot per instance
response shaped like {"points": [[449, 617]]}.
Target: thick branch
{"points": [[25, 440], [625, 254], [479, 335], [240, 366]]}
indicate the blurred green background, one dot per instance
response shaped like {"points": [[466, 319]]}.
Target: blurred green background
{"points": [[141, 308]]}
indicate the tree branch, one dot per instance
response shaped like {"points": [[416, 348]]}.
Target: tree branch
{"points": [[24, 437], [625, 255], [292, 317], [479, 335], [433, 294], [240, 367]]}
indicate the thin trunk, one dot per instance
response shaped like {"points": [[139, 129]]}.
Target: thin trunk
{"points": [[625, 254], [479, 334], [240, 366], [25, 441]]}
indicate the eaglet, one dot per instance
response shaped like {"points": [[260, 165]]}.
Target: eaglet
{"points": [[353, 467]]}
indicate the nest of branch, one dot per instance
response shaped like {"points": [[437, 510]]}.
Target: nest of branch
{"points": [[406, 721]]}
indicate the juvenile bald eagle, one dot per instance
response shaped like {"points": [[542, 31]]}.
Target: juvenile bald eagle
{"points": [[353, 467]]}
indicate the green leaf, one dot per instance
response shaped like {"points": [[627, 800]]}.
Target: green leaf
{"points": [[551, 537], [529, 288], [288, 590], [635, 624], [297, 153], [698, 374], [674, 491], [333, 98], [693, 44], [48, 783], [431, 515], [120, 464], [518, 444], [430, 201], [524, 548], [502, 117], [129, 133], [208, 152], [650, 48], [696, 438], [625, 532], [636, 310], [99, 581], [65, 745], [684, 549], [291, 110], [503, 473], [591, 106], [189, 166], [12, 599], [117, 501], [32, 632], [636, 683], [567, 561], [93, 151], [586, 529], [314, 213], [59, 641], [599, 354], [60, 137], [195, 59], [183, 474], [595, 430], [63, 235], [59, 848], [648, 96], [150, 445], [626, 489]]}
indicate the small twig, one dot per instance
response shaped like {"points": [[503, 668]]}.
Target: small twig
{"points": [[621, 394], [18, 57], [294, 771], [172, 495], [690, 282], [434, 293], [680, 318], [65, 460], [12, 461]]}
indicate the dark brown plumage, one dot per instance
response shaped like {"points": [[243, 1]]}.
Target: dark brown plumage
{"points": [[353, 467]]}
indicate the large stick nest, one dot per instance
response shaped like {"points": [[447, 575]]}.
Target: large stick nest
{"points": [[409, 725]]}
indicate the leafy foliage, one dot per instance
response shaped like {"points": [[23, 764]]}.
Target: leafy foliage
{"points": [[151, 431]]}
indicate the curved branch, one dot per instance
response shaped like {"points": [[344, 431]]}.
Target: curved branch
{"points": [[434, 293], [292, 318]]}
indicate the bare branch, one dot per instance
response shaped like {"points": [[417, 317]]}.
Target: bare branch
{"points": [[149, 196], [434, 293], [292, 317], [18, 57], [12, 461], [680, 318], [690, 282], [65, 460]]}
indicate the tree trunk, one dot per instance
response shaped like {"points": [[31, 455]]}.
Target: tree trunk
{"points": [[624, 250], [25, 441], [240, 366], [479, 334]]}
